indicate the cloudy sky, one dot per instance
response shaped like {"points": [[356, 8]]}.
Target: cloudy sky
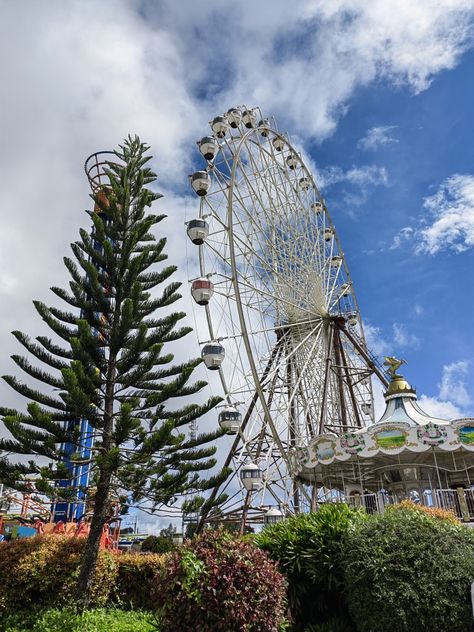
{"points": [[378, 95]]}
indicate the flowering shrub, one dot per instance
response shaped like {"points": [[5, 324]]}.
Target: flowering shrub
{"points": [[218, 582], [442, 514]]}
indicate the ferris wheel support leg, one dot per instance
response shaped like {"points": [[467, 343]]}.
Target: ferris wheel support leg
{"points": [[340, 380], [326, 379], [245, 512], [349, 382]]}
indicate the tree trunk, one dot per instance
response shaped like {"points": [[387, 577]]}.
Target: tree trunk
{"points": [[99, 517], [91, 551]]}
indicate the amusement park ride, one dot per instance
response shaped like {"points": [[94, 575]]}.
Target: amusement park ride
{"points": [[284, 335]]}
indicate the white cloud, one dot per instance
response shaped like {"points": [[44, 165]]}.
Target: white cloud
{"points": [[453, 399], [367, 175], [377, 137], [453, 385], [403, 338], [303, 60], [404, 234], [438, 408], [362, 180], [375, 340], [450, 223]]}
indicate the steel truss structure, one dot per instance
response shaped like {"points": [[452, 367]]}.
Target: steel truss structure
{"points": [[283, 308]]}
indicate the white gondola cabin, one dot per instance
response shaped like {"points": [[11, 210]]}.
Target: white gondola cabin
{"points": [[328, 234], [317, 208], [345, 289], [202, 290], [264, 124], [352, 320], [219, 126], [305, 183], [230, 420], [249, 119], [234, 116], [208, 147], [336, 261], [292, 161], [366, 408], [213, 355], [272, 516], [278, 143], [251, 476], [198, 230], [200, 182]]}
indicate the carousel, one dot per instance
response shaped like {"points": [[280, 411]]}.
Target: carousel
{"points": [[406, 454]]}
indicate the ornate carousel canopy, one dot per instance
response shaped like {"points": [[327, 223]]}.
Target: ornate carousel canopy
{"points": [[404, 436]]}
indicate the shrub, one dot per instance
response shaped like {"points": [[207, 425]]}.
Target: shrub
{"points": [[157, 544], [407, 570], [57, 620], [435, 512], [134, 580], [219, 582], [307, 548], [40, 572]]}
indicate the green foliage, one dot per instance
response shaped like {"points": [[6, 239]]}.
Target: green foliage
{"points": [[406, 570], [157, 544], [307, 548], [218, 582], [42, 571], [66, 620], [135, 578]]}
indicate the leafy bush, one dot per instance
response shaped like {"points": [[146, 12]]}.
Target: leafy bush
{"points": [[134, 579], [435, 512], [57, 620], [157, 544], [40, 572], [307, 548], [407, 570], [218, 582]]}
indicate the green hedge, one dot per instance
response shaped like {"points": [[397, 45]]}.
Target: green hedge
{"points": [[406, 571], [41, 572], [307, 548], [66, 620]]}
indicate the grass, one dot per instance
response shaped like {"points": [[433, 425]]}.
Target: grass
{"points": [[100, 620]]}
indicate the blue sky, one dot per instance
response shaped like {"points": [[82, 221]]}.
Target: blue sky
{"points": [[421, 141], [378, 96]]}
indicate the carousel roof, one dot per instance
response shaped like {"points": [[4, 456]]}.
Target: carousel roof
{"points": [[404, 431], [402, 405]]}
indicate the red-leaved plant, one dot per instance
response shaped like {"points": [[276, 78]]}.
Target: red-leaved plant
{"points": [[219, 582]]}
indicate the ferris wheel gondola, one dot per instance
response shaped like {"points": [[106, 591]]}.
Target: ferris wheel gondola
{"points": [[283, 311]]}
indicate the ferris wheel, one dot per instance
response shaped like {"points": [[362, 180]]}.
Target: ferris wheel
{"points": [[283, 329]]}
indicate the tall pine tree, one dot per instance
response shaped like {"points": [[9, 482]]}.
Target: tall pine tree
{"points": [[109, 363]]}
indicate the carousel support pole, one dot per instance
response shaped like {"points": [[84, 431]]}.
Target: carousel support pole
{"points": [[439, 477], [463, 504]]}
